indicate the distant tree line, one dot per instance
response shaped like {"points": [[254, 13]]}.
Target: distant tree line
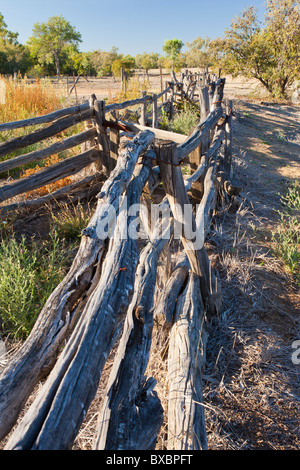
{"points": [[269, 52]]}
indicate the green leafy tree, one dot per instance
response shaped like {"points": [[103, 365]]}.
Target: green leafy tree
{"points": [[147, 61], [172, 49], [51, 40], [127, 63], [269, 52], [14, 57], [198, 54]]}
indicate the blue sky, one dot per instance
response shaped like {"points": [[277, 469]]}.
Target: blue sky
{"points": [[133, 26]]}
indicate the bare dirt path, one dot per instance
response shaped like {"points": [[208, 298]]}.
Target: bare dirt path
{"points": [[252, 384]]}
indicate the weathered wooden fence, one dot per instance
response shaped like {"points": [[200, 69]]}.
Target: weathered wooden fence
{"points": [[111, 284]]}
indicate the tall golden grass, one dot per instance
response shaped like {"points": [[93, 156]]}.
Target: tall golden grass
{"points": [[24, 100]]}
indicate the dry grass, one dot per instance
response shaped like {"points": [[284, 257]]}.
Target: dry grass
{"points": [[23, 100]]}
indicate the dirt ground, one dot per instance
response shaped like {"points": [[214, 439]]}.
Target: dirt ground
{"points": [[251, 385]]}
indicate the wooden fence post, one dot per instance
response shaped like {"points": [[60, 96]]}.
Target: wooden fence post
{"points": [[114, 139], [102, 137], [154, 111], [228, 140], [195, 156], [143, 116], [182, 212]]}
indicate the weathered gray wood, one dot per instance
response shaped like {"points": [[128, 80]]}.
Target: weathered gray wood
{"points": [[74, 84], [129, 402], [126, 104], [186, 420], [59, 170], [209, 199], [228, 142], [197, 187], [48, 151], [166, 304], [143, 116], [199, 134], [201, 169], [44, 119], [154, 111], [216, 96], [41, 134], [107, 163], [114, 140], [192, 236], [67, 393], [159, 133], [37, 355]]}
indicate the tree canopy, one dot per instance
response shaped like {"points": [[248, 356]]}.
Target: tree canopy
{"points": [[50, 40], [172, 48], [269, 52]]}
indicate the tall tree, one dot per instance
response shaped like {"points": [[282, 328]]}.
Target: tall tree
{"points": [[197, 54], [269, 52], [172, 48], [50, 40], [14, 57]]}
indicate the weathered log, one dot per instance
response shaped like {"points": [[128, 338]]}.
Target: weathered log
{"points": [[209, 199], [228, 142], [200, 134], [186, 357], [143, 116], [123, 422], [192, 237], [41, 134], [114, 140], [37, 355], [47, 152], [112, 107], [154, 111], [103, 142], [59, 170], [201, 169], [64, 399], [44, 119], [159, 133], [166, 304]]}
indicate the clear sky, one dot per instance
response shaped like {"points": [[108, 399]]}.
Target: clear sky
{"points": [[133, 26]]}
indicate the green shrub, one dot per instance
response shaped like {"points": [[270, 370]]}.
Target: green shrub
{"points": [[286, 239], [185, 121], [28, 274]]}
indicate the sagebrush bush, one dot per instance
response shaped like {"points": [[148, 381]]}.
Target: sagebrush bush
{"points": [[29, 272]]}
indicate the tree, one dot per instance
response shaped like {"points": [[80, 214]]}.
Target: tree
{"points": [[172, 48], [147, 61], [50, 40], [127, 63], [269, 53], [14, 57], [197, 54]]}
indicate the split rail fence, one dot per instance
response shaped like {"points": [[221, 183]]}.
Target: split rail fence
{"points": [[108, 294]]}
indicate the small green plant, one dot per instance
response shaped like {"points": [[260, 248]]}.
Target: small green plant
{"points": [[292, 196], [28, 274], [286, 240], [70, 221], [164, 120], [183, 122]]}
